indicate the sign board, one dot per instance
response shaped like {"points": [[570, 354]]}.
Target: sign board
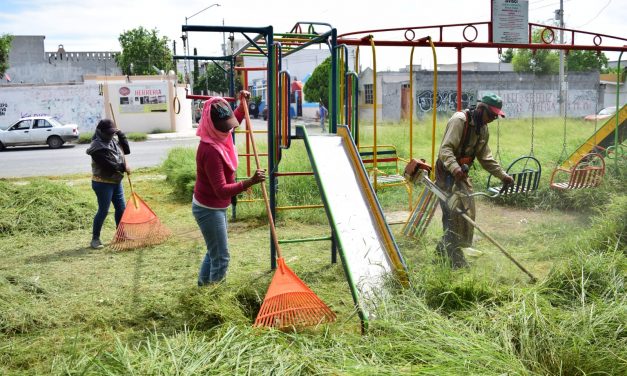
{"points": [[510, 21], [143, 98]]}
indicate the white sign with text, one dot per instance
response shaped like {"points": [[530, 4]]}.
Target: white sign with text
{"points": [[510, 21]]}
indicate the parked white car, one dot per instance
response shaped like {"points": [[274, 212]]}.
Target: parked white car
{"points": [[38, 130]]}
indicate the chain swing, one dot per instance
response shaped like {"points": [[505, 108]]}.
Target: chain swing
{"points": [[525, 170], [576, 171]]}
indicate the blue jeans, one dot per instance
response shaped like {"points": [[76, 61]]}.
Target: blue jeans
{"points": [[106, 193], [212, 223]]}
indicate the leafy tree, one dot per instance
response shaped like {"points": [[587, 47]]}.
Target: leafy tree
{"points": [[317, 86], [507, 56], [542, 62], [581, 61], [145, 51], [5, 47], [213, 79], [547, 62]]}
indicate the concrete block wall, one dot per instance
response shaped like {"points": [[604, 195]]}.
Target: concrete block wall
{"points": [[30, 64], [523, 93]]}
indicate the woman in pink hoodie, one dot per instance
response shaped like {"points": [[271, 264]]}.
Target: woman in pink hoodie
{"points": [[216, 164]]}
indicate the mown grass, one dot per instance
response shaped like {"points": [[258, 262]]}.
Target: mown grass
{"points": [[67, 309]]}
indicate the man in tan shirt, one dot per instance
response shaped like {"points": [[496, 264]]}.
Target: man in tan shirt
{"points": [[465, 139]]}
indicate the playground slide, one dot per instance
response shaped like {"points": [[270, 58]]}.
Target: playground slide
{"points": [[367, 247], [603, 137]]}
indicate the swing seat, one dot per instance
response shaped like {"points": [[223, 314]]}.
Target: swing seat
{"points": [[587, 173], [525, 171]]}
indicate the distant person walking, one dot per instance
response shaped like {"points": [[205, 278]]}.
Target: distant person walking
{"points": [[322, 112], [216, 164], [108, 166], [465, 139]]}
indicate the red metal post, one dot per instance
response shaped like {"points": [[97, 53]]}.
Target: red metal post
{"points": [[459, 79]]}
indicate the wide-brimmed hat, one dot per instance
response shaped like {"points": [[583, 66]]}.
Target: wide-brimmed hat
{"points": [[222, 113], [494, 103]]}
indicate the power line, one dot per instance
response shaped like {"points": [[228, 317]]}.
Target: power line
{"points": [[548, 5], [598, 14]]}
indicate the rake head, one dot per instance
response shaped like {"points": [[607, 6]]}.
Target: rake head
{"points": [[290, 303], [139, 227]]}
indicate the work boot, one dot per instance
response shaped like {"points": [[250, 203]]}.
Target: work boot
{"points": [[457, 258], [96, 244]]}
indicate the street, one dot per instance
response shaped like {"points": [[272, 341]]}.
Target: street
{"points": [[71, 159], [28, 161]]}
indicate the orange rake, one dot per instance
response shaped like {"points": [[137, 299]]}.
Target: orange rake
{"points": [[288, 303], [139, 225]]}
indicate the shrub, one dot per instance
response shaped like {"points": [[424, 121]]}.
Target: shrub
{"points": [[180, 171], [85, 137], [137, 136]]}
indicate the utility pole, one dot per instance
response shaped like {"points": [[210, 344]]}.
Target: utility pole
{"points": [[223, 40], [559, 15]]}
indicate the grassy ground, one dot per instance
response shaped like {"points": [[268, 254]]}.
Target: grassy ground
{"points": [[67, 309]]}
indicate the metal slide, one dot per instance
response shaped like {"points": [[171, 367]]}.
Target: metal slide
{"points": [[367, 248], [603, 137]]}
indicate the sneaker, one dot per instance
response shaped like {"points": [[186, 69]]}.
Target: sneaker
{"points": [[96, 244]]}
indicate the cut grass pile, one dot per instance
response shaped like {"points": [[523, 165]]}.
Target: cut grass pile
{"points": [[42, 207], [67, 309]]}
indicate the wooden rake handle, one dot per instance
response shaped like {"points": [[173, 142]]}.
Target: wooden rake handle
{"points": [[130, 184], [250, 135]]}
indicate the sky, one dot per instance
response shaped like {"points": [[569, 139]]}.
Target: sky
{"points": [[95, 25]]}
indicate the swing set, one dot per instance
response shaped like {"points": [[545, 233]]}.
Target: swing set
{"points": [[525, 170]]}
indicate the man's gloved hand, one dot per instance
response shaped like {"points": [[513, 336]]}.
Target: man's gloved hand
{"points": [[507, 180], [459, 174]]}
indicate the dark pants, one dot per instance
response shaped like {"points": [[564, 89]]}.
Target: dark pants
{"points": [[458, 232], [106, 193]]}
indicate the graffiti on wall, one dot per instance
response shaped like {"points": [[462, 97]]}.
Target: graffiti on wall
{"points": [[545, 103], [79, 104], [446, 100]]}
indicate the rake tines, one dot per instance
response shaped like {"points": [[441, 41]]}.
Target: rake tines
{"points": [[290, 303], [139, 227]]}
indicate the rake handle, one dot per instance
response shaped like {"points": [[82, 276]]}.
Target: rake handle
{"points": [[249, 134], [130, 184]]}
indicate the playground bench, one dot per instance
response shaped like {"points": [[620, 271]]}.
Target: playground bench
{"points": [[388, 172]]}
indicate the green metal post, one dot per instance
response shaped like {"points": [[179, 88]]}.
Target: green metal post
{"points": [[616, 146]]}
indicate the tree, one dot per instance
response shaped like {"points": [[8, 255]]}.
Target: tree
{"points": [[144, 52], [547, 62], [5, 47], [213, 79], [507, 56], [582, 61], [542, 62], [317, 86]]}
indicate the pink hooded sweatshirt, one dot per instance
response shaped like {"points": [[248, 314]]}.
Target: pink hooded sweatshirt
{"points": [[216, 162]]}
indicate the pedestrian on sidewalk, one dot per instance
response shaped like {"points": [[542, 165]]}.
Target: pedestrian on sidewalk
{"points": [[322, 112]]}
